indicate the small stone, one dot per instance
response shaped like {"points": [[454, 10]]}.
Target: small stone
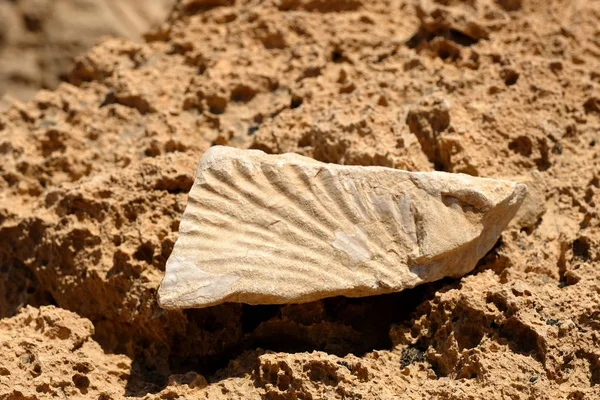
{"points": [[275, 229], [534, 204]]}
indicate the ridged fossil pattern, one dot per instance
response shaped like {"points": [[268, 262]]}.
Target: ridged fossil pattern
{"points": [[273, 229]]}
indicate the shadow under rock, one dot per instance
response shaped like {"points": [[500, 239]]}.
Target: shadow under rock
{"points": [[20, 287], [215, 336], [338, 325], [144, 378]]}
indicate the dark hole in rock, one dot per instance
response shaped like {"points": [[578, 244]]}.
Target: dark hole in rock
{"points": [[510, 76], [253, 316], [242, 94], [110, 98], [522, 338], [81, 381], [521, 145], [216, 104], [195, 7], [145, 252], [43, 388], [296, 102], [445, 42], [460, 38], [305, 140], [592, 105], [32, 23], [581, 249], [337, 56], [510, 5]]}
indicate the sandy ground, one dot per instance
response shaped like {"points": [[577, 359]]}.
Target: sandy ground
{"points": [[95, 174]]}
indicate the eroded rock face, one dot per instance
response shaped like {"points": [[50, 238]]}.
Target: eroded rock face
{"points": [[94, 179], [49, 352], [273, 229]]}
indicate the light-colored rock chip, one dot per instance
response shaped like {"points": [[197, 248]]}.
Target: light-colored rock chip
{"points": [[272, 229]]}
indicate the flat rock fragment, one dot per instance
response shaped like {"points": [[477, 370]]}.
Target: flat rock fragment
{"points": [[274, 229]]}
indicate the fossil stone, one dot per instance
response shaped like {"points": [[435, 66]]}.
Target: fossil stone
{"points": [[273, 229]]}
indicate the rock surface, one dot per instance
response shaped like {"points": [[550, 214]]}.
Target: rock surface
{"points": [[94, 179], [273, 229], [49, 353]]}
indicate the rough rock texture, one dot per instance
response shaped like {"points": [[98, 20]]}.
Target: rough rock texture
{"points": [[40, 38], [276, 229], [94, 177], [49, 352]]}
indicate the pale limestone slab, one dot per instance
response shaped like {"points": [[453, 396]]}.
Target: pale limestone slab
{"points": [[274, 229]]}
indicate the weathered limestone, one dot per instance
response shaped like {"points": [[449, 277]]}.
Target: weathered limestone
{"points": [[272, 229]]}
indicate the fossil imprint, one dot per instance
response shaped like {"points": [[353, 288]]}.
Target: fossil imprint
{"points": [[274, 229]]}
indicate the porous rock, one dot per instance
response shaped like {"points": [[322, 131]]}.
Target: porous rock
{"points": [[273, 229], [49, 352]]}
